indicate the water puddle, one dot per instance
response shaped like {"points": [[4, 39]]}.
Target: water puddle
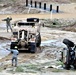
{"points": [[3, 25], [3, 51], [52, 43]]}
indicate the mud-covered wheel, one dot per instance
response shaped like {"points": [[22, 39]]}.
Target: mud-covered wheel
{"points": [[68, 42], [67, 66], [38, 40], [74, 64], [33, 47], [13, 44]]}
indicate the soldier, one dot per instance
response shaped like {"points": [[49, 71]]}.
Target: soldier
{"points": [[8, 23], [15, 53]]}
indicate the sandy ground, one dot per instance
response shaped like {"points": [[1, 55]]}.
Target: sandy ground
{"points": [[69, 11], [41, 16]]}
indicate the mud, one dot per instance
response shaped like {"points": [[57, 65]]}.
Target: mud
{"points": [[45, 61]]}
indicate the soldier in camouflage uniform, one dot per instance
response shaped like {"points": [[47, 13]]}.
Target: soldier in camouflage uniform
{"points": [[8, 23]]}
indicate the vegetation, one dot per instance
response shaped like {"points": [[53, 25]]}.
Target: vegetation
{"points": [[19, 69], [58, 23], [28, 68]]}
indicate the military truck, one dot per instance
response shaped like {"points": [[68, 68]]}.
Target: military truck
{"points": [[26, 35], [68, 54]]}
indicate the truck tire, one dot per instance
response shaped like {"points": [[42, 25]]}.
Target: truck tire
{"points": [[32, 47], [38, 40], [67, 66], [74, 64], [13, 44], [68, 42]]}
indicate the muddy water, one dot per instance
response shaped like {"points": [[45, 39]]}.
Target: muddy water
{"points": [[3, 51], [52, 42]]}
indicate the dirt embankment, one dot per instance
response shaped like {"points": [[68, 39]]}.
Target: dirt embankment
{"points": [[70, 28], [19, 6]]}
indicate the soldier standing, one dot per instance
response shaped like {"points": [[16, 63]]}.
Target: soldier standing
{"points": [[8, 23], [15, 53]]}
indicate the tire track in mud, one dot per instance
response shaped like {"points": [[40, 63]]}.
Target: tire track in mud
{"points": [[22, 57]]}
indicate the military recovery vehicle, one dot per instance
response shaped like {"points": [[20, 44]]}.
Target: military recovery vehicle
{"points": [[26, 35], [68, 55]]}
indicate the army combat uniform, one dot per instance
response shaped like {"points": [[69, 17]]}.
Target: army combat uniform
{"points": [[8, 23]]}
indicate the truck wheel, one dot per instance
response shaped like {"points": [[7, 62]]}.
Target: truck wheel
{"points": [[38, 40], [74, 66], [67, 66], [33, 47], [68, 42], [13, 44]]}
